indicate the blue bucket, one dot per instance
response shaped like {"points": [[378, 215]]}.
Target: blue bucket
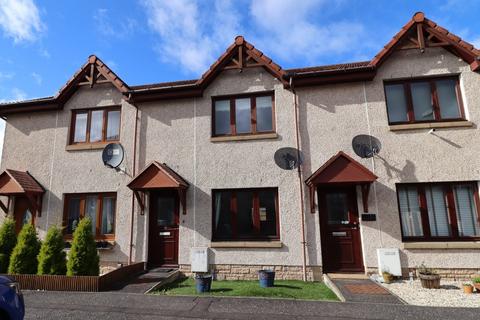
{"points": [[203, 283], [266, 278]]}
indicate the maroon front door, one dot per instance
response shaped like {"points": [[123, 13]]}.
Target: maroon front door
{"points": [[339, 228], [22, 213], [163, 229]]}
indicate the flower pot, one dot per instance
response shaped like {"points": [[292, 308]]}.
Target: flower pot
{"points": [[266, 278], [203, 283], [477, 287], [387, 278], [468, 289], [430, 281]]}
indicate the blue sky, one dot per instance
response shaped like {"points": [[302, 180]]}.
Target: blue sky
{"points": [[42, 43]]}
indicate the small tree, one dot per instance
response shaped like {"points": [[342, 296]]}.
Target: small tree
{"points": [[51, 259], [8, 240], [24, 256], [83, 258]]}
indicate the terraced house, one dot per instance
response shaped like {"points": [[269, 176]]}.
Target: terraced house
{"points": [[199, 169]]}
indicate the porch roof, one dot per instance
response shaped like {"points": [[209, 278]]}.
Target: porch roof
{"points": [[157, 176], [14, 182], [341, 169]]}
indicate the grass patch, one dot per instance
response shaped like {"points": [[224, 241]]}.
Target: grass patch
{"points": [[291, 289]]}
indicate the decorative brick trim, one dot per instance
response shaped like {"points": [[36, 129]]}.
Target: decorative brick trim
{"points": [[250, 272], [450, 273]]}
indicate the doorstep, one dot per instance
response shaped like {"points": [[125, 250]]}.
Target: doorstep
{"points": [[356, 276]]}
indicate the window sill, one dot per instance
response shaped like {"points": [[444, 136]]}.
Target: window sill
{"points": [[246, 244], [87, 146], [259, 136], [442, 245], [430, 125]]}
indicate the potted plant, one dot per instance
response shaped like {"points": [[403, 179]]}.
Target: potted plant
{"points": [[476, 283], [387, 277], [467, 288], [203, 282], [429, 278], [266, 278]]}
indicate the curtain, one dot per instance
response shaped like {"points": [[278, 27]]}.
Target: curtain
{"points": [[410, 212]]}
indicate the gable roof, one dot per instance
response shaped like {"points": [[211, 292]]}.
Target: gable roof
{"points": [[422, 33], [93, 72], [157, 175], [418, 33], [341, 168], [17, 182]]}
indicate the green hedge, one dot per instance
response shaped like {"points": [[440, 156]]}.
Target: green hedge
{"points": [[51, 259], [83, 258], [24, 256]]}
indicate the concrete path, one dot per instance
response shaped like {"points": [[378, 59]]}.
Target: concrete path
{"points": [[125, 306], [146, 281], [364, 290]]}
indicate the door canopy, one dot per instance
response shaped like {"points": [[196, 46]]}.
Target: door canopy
{"points": [[16, 183], [158, 176], [341, 169]]}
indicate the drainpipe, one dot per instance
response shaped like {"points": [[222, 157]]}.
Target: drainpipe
{"points": [[132, 217], [300, 183]]}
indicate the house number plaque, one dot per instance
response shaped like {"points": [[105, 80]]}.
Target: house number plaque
{"points": [[164, 233]]}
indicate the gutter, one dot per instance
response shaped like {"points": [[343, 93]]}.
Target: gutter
{"points": [[132, 217], [300, 182]]}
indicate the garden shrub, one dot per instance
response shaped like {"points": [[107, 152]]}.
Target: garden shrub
{"points": [[8, 240], [83, 258], [24, 256], [3, 263], [51, 259]]}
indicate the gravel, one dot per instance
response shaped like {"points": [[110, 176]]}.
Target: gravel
{"points": [[450, 294]]}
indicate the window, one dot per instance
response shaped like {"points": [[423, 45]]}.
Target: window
{"points": [[245, 214], [426, 100], [95, 125], [99, 207], [243, 115], [439, 211]]}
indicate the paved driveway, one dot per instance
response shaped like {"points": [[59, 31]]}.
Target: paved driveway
{"points": [[120, 306]]}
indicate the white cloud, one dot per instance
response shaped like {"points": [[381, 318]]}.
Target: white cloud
{"points": [[118, 28], [299, 35], [192, 33], [20, 20], [6, 75], [38, 78], [18, 94], [476, 43]]}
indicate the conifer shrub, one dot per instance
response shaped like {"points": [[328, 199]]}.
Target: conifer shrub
{"points": [[51, 259], [8, 240], [24, 256], [83, 258]]}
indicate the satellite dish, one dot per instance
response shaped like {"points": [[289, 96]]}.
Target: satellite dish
{"points": [[112, 155], [288, 158], [366, 146]]}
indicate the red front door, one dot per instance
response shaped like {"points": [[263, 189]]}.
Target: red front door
{"points": [[339, 228], [22, 213], [163, 229]]}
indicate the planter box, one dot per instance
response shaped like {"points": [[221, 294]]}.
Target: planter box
{"points": [[76, 283], [430, 281]]}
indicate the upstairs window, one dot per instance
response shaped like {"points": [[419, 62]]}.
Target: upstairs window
{"points": [[95, 125], [245, 214], [436, 211], [424, 100], [243, 115], [99, 207]]}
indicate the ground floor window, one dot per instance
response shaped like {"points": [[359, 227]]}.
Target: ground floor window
{"points": [[436, 211], [245, 214], [99, 207]]}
